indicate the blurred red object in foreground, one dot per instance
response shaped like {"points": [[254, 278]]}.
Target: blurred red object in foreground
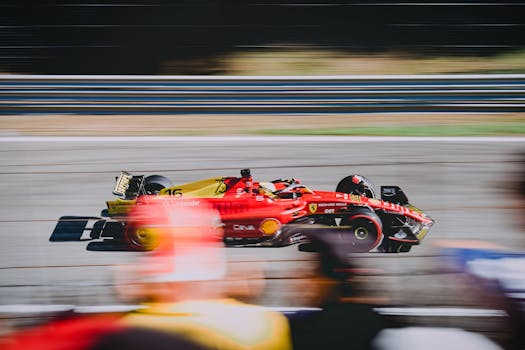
{"points": [[74, 333], [187, 238]]}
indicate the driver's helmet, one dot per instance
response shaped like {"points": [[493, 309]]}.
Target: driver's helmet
{"points": [[267, 187]]}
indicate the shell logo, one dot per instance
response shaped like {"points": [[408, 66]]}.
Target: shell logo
{"points": [[270, 226]]}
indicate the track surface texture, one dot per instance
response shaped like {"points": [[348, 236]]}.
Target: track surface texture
{"points": [[461, 183]]}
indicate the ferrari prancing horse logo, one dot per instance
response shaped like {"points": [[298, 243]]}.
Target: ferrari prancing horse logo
{"points": [[312, 207]]}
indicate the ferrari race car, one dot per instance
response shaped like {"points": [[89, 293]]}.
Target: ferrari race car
{"points": [[274, 213]]}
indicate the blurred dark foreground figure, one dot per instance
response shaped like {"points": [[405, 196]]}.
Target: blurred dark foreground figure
{"points": [[347, 320]]}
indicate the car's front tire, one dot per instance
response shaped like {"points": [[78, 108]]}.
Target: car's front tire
{"points": [[361, 231]]}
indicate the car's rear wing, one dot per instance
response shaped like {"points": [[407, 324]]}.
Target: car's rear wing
{"points": [[129, 186]]}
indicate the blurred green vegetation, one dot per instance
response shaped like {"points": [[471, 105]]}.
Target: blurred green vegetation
{"points": [[326, 62], [504, 129]]}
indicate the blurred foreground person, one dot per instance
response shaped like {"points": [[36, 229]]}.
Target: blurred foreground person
{"points": [[183, 281], [347, 319]]}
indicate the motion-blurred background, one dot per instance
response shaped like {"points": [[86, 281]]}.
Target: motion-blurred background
{"points": [[261, 37]]}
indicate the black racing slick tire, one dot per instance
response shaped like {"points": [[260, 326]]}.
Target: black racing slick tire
{"points": [[362, 231], [356, 184], [153, 184]]}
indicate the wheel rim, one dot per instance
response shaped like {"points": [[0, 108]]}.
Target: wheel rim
{"points": [[143, 238], [361, 233], [142, 235]]}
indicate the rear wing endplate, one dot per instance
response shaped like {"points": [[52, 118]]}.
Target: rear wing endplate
{"points": [[128, 186], [122, 184]]}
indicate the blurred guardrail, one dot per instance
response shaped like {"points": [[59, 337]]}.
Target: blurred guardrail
{"points": [[26, 94]]}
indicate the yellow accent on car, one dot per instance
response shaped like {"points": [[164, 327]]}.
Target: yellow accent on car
{"points": [[214, 187], [270, 226], [423, 232], [411, 207], [120, 206]]}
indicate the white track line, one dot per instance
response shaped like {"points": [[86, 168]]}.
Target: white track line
{"points": [[247, 139]]}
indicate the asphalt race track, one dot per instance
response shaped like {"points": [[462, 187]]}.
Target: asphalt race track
{"points": [[462, 183]]}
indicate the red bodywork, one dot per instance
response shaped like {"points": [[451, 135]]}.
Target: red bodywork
{"points": [[250, 213]]}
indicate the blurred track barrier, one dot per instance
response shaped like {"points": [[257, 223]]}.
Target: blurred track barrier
{"points": [[104, 94]]}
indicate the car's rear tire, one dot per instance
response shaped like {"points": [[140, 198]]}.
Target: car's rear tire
{"points": [[365, 187], [153, 184], [141, 238], [361, 231]]}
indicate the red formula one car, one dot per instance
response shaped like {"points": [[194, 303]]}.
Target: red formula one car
{"points": [[274, 213], [278, 212]]}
